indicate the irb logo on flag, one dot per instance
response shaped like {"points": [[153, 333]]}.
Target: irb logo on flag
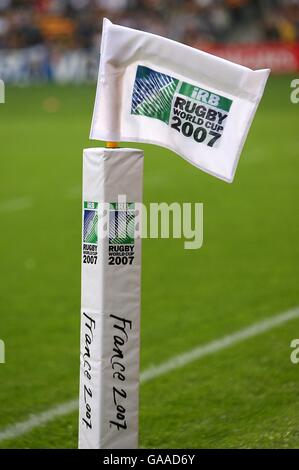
{"points": [[195, 112]]}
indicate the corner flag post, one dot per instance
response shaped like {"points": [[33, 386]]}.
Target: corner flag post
{"points": [[110, 298], [194, 103]]}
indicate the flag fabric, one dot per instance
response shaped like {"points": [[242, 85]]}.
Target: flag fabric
{"points": [[154, 90]]}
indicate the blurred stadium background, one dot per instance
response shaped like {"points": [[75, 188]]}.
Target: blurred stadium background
{"points": [[53, 40], [246, 271]]}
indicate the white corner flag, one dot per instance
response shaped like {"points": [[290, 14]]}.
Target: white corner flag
{"points": [[152, 89]]}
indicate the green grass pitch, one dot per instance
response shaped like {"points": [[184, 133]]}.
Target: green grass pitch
{"points": [[247, 270]]}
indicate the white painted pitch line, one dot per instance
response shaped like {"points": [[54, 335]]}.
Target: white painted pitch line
{"points": [[34, 421], [16, 204], [219, 344]]}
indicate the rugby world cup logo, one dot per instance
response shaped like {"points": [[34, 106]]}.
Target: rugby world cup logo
{"points": [[121, 233], [90, 224], [198, 114], [121, 223], [90, 232]]}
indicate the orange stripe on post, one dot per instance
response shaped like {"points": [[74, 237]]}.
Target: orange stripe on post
{"points": [[112, 145]]}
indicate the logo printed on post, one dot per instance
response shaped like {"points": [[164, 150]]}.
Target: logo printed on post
{"points": [[121, 233], [90, 232], [194, 112]]}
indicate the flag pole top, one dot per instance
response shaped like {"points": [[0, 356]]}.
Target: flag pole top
{"points": [[112, 145]]}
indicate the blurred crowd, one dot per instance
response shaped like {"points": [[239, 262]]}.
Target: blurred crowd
{"points": [[74, 24]]}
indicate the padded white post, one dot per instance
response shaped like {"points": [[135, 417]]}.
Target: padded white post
{"points": [[110, 299]]}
